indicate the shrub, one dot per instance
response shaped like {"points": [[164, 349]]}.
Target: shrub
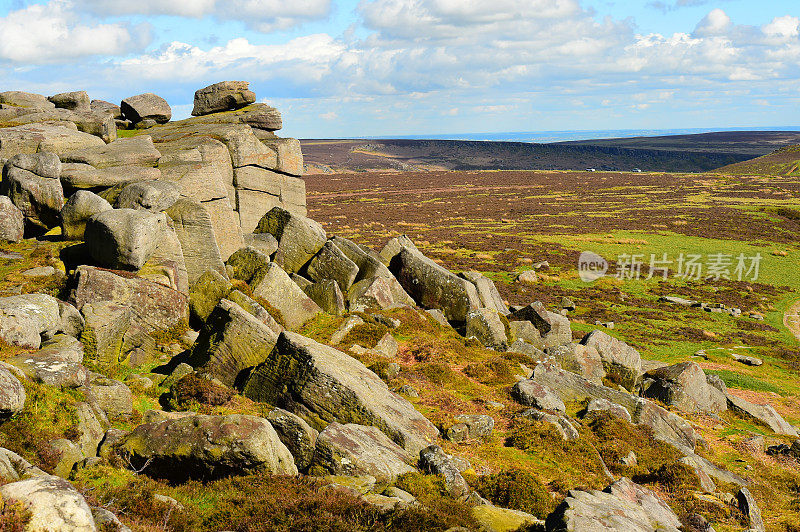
{"points": [[517, 489], [14, 517], [493, 371], [192, 390], [366, 334], [616, 438]]}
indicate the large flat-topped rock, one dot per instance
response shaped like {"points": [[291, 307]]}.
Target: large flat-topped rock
{"points": [[134, 151], [99, 124], [33, 138]]}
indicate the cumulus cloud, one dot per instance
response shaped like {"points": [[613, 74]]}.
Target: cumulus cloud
{"points": [[261, 15], [52, 32]]}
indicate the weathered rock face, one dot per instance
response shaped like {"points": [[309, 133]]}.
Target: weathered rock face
{"points": [[581, 359], [684, 385], [531, 393], [470, 426], [373, 292], [247, 264], [299, 238], [208, 447], [485, 325], [153, 196], [25, 99], [207, 292], [77, 210], [290, 155], [32, 183], [296, 435], [288, 299], [620, 361], [104, 107], [53, 502], [331, 263], [222, 96], [133, 151], [487, 291], [50, 367], [762, 413], [322, 385], [145, 106], [12, 221], [231, 341], [12, 394], [74, 101], [749, 507], [328, 296], [621, 506], [432, 286], [111, 396], [38, 138], [132, 305], [124, 238], [84, 176], [195, 230], [433, 460], [354, 450], [25, 319]]}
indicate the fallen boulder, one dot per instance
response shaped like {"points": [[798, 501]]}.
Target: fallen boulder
{"points": [[124, 238], [77, 210], [207, 447], [764, 414], [299, 238], [285, 297], [297, 435], [322, 385], [354, 450], [32, 183], [684, 386], [331, 263], [621, 362], [145, 106], [53, 502], [485, 325], [222, 96], [74, 101], [27, 318]]}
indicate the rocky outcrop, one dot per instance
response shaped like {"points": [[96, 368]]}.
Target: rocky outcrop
{"points": [[81, 206], [299, 238], [322, 385], [297, 435], [484, 325], [764, 414], [26, 319], [208, 447], [621, 362], [288, 299], [31, 181], [684, 386], [354, 450]]}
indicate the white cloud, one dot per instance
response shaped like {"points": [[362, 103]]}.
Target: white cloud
{"points": [[715, 23], [47, 33], [261, 15], [330, 115]]}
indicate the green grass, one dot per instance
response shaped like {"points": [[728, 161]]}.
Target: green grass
{"points": [[733, 379]]}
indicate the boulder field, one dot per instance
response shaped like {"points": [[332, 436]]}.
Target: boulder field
{"points": [[187, 243]]}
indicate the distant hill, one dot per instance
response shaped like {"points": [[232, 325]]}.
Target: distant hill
{"points": [[673, 153], [782, 162]]}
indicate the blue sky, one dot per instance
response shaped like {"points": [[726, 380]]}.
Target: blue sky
{"points": [[345, 68]]}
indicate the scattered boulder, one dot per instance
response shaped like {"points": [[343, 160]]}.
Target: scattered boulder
{"points": [[299, 238], [222, 96], [49, 366], [347, 326], [605, 406], [81, 206], [111, 396], [232, 341], [554, 328], [53, 502], [374, 292], [562, 424], [208, 447], [322, 384], [432, 286], [145, 106], [581, 359], [621, 362], [328, 296], [296, 435], [621, 506], [359, 450], [331, 263], [684, 386], [764, 414], [12, 221], [104, 107], [486, 326], [470, 426], [124, 238], [487, 291], [531, 393], [747, 360], [433, 460], [749, 507]]}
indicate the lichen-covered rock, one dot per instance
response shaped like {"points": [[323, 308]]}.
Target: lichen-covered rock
{"points": [[231, 341], [124, 238], [206, 293], [104, 331], [49, 366], [254, 308], [31, 181], [53, 502], [495, 519], [81, 206], [74, 101], [297, 435], [145, 106], [222, 96], [432, 286], [620, 361], [299, 238], [328, 296], [208, 447], [247, 264], [435, 461], [322, 385], [684, 386], [581, 359], [285, 297], [531, 393], [195, 230], [111, 396], [331, 263], [12, 221], [621, 506], [485, 325], [12, 394], [26, 318], [598, 406], [470, 426], [353, 450]]}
